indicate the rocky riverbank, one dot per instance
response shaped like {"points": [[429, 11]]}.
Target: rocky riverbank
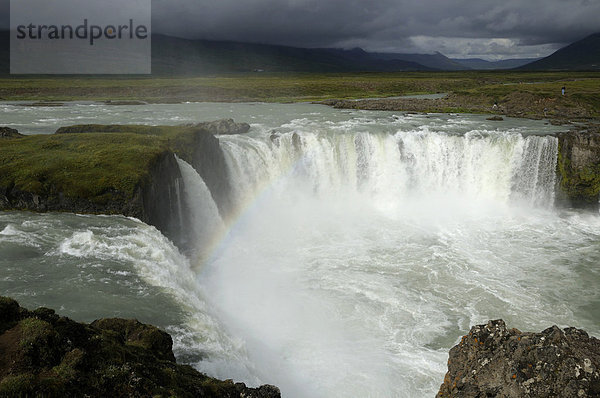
{"points": [[494, 361], [45, 355], [558, 109]]}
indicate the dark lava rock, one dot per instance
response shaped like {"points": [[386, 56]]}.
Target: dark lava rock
{"points": [[492, 361], [45, 355], [297, 142], [7, 132], [496, 118], [225, 126]]}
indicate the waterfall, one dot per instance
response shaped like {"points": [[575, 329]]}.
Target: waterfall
{"points": [[205, 219], [480, 165], [345, 268]]}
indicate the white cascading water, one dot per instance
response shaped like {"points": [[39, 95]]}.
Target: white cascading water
{"points": [[500, 166], [320, 279], [205, 218], [361, 250]]}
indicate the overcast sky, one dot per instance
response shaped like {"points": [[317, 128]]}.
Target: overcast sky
{"points": [[489, 29]]}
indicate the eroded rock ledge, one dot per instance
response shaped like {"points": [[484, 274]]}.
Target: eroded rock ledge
{"points": [[579, 167], [494, 361], [45, 355]]}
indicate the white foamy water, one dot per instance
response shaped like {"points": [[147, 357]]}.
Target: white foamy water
{"points": [[205, 218], [364, 245], [361, 256]]}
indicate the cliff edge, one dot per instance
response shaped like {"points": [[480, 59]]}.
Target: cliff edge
{"points": [[579, 167], [116, 169]]}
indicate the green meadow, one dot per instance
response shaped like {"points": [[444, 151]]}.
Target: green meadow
{"points": [[581, 86]]}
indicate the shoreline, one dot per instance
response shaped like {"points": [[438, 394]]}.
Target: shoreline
{"points": [[519, 106]]}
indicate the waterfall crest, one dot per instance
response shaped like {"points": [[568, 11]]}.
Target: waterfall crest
{"points": [[502, 166]]}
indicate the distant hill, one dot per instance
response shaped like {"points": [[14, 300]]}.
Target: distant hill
{"points": [[581, 55], [176, 56], [435, 61], [482, 64], [172, 55], [4, 52]]}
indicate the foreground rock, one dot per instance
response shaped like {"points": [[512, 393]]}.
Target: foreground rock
{"points": [[42, 354], [492, 361]]}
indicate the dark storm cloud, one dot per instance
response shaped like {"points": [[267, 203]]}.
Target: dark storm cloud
{"points": [[454, 27], [527, 27]]}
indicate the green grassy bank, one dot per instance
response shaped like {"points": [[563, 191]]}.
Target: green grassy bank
{"points": [[582, 86], [96, 166]]}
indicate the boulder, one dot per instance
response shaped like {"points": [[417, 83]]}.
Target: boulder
{"points": [[494, 361], [225, 126], [579, 167], [45, 355], [7, 132]]}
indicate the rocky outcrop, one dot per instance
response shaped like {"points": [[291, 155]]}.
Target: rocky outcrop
{"points": [[493, 361], [45, 355], [154, 186], [225, 126], [157, 199], [7, 132], [198, 146], [579, 168]]}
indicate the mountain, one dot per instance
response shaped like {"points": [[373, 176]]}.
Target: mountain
{"points": [[4, 52], [435, 61], [172, 55], [176, 56], [581, 55], [482, 64]]}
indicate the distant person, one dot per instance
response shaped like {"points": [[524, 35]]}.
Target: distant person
{"points": [[563, 90]]}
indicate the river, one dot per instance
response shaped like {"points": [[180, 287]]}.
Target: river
{"points": [[363, 246]]}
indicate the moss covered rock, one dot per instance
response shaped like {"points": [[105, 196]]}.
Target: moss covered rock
{"points": [[579, 167], [43, 354]]}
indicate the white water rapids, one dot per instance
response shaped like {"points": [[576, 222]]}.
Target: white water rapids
{"points": [[362, 247], [358, 258]]}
